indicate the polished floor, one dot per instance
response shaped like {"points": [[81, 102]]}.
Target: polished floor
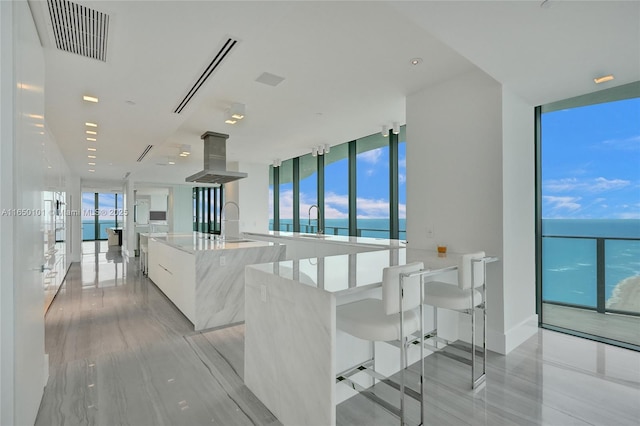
{"points": [[122, 354]]}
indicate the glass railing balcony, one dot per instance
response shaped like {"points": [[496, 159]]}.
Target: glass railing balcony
{"points": [[598, 273]]}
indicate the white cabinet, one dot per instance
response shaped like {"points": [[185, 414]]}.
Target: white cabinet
{"points": [[173, 271]]}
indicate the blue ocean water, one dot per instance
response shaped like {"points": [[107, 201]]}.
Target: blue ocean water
{"points": [[88, 229], [569, 273], [374, 228]]}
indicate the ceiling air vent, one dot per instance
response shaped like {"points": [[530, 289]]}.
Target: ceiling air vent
{"points": [[215, 63], [78, 29], [145, 152]]}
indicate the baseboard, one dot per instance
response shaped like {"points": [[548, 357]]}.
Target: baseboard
{"points": [[518, 334], [503, 343]]}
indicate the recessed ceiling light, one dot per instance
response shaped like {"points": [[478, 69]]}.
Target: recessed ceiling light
{"points": [[91, 139], [91, 164], [415, 61], [91, 149], [88, 124], [91, 132], [603, 79], [91, 156], [90, 98]]}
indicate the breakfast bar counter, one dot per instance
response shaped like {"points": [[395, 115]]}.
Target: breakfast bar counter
{"points": [[290, 325]]}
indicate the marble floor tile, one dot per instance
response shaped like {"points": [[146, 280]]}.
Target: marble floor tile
{"points": [[122, 354]]}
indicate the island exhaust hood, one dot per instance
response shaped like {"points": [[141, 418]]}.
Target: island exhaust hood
{"points": [[215, 161]]}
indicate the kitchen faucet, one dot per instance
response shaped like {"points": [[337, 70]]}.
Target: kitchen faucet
{"points": [[224, 217], [317, 218]]}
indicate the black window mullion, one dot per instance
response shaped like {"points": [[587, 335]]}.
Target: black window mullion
{"points": [[394, 222], [320, 168], [296, 194], [353, 208], [96, 216], [538, 207], [276, 198]]}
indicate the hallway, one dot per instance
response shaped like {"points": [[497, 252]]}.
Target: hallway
{"points": [[121, 353]]}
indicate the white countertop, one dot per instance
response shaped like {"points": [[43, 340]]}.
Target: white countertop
{"points": [[200, 242], [344, 274], [343, 239]]}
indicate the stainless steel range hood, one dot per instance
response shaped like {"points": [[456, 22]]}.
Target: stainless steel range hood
{"points": [[215, 161]]}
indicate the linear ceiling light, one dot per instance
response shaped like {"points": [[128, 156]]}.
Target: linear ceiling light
{"points": [[89, 124], [237, 111], [91, 149], [90, 98], [92, 139], [603, 79], [91, 164], [228, 118], [185, 150], [91, 132]]}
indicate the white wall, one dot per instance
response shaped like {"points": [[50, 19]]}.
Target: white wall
{"points": [[518, 170], [129, 237], [251, 194], [22, 367], [7, 308], [457, 147]]}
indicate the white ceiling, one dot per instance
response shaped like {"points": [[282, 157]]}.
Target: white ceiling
{"points": [[345, 64]]}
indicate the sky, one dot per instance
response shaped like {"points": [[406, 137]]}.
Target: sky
{"points": [[591, 162], [372, 168], [106, 205]]}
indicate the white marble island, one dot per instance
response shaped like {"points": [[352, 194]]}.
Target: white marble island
{"points": [[291, 341], [204, 277]]}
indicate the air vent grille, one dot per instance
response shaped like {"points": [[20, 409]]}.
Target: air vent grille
{"points": [[144, 153], [78, 29], [215, 63]]}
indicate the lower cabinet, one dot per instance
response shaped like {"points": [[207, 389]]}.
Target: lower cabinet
{"points": [[174, 272]]}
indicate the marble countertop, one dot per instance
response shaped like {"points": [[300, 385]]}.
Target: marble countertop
{"points": [[343, 239], [350, 273], [200, 242]]}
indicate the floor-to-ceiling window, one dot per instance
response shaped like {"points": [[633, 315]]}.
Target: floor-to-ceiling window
{"points": [[99, 212], [402, 183], [286, 195], [207, 205], [336, 190], [372, 186], [354, 188], [589, 215], [308, 198]]}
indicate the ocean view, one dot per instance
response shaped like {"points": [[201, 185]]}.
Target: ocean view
{"points": [[569, 264], [374, 228]]}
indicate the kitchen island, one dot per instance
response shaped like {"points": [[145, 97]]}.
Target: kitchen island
{"points": [[292, 348], [203, 276]]}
